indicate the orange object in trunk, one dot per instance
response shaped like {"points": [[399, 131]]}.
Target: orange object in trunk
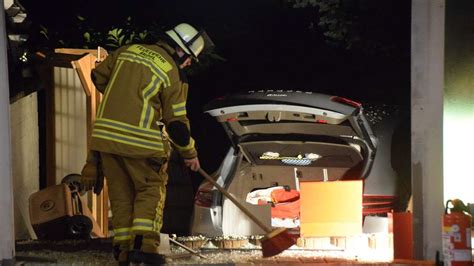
{"points": [[331, 208], [285, 210], [282, 195], [285, 203]]}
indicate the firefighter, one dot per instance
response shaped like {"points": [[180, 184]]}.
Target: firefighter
{"points": [[142, 114]]}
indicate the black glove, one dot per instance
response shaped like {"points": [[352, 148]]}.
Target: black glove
{"points": [[92, 175]]}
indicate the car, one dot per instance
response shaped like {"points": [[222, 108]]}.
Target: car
{"points": [[279, 137]]}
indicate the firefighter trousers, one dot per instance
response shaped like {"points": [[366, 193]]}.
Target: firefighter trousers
{"points": [[137, 192]]}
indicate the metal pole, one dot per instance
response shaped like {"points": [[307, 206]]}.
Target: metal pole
{"points": [[7, 239]]}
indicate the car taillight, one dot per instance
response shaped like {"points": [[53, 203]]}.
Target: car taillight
{"points": [[203, 197], [346, 101]]}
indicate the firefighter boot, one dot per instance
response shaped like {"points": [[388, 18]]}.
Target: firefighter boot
{"points": [[142, 252], [121, 254]]}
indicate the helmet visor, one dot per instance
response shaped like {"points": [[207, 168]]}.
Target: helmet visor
{"points": [[208, 43], [201, 43]]}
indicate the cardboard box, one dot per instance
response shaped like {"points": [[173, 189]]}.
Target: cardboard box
{"points": [[331, 208]]}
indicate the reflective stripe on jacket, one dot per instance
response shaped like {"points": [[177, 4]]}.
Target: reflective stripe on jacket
{"points": [[141, 90]]}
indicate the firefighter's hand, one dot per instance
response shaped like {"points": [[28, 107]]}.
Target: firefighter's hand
{"points": [[89, 176], [92, 177], [193, 163]]}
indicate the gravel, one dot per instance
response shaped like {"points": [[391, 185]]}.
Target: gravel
{"points": [[100, 253]]}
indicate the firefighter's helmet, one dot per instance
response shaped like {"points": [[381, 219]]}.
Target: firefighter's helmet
{"points": [[192, 41]]}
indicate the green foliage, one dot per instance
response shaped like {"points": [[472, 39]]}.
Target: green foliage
{"points": [[89, 37], [44, 32], [111, 38], [352, 24], [115, 36], [334, 21]]}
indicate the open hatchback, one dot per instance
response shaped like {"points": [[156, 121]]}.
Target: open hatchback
{"points": [[279, 138]]}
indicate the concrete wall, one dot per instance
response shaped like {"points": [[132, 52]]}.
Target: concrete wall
{"points": [[25, 160], [7, 244], [427, 68], [459, 100]]}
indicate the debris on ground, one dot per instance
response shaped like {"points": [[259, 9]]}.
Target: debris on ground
{"points": [[99, 252]]}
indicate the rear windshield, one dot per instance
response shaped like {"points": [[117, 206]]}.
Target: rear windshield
{"points": [[302, 153]]}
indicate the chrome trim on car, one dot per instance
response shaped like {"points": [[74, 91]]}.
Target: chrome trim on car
{"points": [[275, 107]]}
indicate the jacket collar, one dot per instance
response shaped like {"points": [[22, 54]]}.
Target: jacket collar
{"points": [[169, 49]]}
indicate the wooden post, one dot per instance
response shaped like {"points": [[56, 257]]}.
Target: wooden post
{"points": [[50, 128], [83, 67]]}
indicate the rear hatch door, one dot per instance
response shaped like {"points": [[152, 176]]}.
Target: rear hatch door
{"points": [[296, 128]]}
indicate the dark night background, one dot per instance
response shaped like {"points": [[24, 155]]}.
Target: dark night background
{"points": [[266, 44], [358, 49]]}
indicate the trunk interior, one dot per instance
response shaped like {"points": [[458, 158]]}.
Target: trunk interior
{"points": [[253, 178]]}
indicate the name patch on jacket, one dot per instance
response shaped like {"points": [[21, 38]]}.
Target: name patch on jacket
{"points": [[149, 54]]}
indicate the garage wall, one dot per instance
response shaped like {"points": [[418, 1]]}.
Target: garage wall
{"points": [[427, 68], [25, 160], [459, 100], [7, 247], [70, 119]]}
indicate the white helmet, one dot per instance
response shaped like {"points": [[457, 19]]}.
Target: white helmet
{"points": [[188, 38]]}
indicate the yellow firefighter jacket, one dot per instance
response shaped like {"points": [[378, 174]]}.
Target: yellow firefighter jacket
{"points": [[142, 91]]}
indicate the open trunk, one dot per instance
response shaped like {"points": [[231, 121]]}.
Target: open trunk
{"points": [[282, 138], [257, 178]]}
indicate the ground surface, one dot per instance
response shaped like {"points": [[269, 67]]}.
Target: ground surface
{"points": [[99, 252]]}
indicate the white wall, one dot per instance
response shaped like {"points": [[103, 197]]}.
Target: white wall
{"points": [[7, 244], [459, 101], [427, 67], [25, 160]]}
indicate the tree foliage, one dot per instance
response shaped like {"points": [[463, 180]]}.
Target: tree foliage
{"points": [[332, 18], [366, 25], [88, 36]]}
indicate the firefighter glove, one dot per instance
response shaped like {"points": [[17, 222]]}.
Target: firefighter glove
{"points": [[92, 176]]}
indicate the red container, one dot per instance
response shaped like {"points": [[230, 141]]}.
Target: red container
{"points": [[457, 239]]}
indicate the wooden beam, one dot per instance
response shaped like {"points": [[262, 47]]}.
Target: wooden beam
{"points": [[83, 67], [50, 128], [105, 210], [99, 53], [62, 60]]}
